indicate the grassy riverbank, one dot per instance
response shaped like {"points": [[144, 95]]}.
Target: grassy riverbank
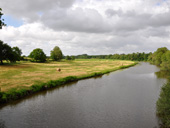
{"points": [[26, 78]]}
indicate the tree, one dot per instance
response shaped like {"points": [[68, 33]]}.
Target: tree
{"points": [[9, 54], [2, 52], [56, 54], [1, 20], [165, 65], [157, 56], [17, 53], [5, 52], [38, 55], [68, 57], [72, 57]]}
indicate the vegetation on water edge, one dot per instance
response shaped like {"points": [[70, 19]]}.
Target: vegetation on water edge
{"points": [[14, 94], [163, 105], [161, 58]]}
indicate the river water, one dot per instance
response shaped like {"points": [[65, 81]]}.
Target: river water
{"points": [[122, 99]]}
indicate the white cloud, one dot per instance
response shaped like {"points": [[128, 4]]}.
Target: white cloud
{"points": [[88, 26]]}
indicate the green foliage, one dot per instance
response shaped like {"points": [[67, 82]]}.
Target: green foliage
{"points": [[17, 53], [9, 54], [161, 57], [1, 20], [156, 57], [165, 65], [38, 55], [134, 56], [14, 94], [1, 94], [56, 54], [70, 57], [163, 105]]}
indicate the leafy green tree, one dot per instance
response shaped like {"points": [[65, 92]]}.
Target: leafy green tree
{"points": [[38, 55], [157, 56], [56, 54], [72, 57], [17, 53], [1, 51], [6, 53], [165, 65], [1, 20], [68, 57]]}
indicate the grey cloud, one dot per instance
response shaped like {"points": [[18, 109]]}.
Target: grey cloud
{"points": [[79, 30], [29, 9], [79, 20], [111, 12], [160, 19], [57, 15], [132, 21]]}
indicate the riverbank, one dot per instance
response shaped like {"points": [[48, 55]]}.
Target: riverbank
{"points": [[24, 79], [163, 105]]}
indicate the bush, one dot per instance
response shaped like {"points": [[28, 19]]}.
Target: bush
{"points": [[163, 105]]}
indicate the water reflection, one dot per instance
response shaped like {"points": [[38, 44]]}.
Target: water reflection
{"points": [[163, 74], [2, 124], [39, 94]]}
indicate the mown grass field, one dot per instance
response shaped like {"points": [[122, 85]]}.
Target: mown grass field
{"points": [[25, 74]]}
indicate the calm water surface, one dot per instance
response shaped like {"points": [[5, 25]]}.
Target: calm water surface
{"points": [[122, 99]]}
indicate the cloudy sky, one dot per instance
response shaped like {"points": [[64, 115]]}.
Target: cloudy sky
{"points": [[87, 26]]}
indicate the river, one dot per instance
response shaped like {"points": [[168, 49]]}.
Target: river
{"points": [[122, 99]]}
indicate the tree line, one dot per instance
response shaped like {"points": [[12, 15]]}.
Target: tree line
{"points": [[37, 55], [133, 56]]}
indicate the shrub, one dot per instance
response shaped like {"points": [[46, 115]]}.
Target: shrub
{"points": [[163, 105]]}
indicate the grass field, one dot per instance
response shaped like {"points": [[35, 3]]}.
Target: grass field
{"points": [[25, 74]]}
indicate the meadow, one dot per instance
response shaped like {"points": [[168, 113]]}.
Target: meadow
{"points": [[25, 74]]}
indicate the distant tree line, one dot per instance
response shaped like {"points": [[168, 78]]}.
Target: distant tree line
{"points": [[37, 55], [134, 56]]}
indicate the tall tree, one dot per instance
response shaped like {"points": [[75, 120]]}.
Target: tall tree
{"points": [[1, 51], [56, 54], [157, 56], [6, 53], [17, 53], [1, 20], [38, 55]]}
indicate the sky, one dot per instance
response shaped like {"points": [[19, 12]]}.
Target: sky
{"points": [[93, 27]]}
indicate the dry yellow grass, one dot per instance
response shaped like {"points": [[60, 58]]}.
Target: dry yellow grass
{"points": [[27, 73]]}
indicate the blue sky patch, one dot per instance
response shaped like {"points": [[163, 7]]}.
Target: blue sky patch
{"points": [[10, 21]]}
